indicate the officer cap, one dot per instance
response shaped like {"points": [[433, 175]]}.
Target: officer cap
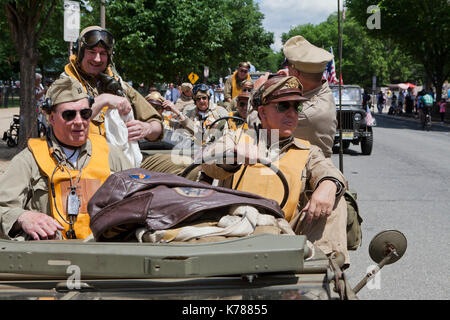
{"points": [[278, 89], [305, 56], [155, 98], [244, 96], [65, 89]]}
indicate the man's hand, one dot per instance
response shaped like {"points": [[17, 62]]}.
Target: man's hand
{"points": [[138, 130], [322, 201], [38, 225], [283, 72], [112, 101]]}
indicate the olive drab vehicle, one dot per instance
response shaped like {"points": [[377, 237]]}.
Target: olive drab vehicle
{"points": [[262, 266], [357, 124]]}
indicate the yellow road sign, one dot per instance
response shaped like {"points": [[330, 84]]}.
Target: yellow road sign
{"points": [[193, 77]]}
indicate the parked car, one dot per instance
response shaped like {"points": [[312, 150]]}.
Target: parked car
{"points": [[357, 123]]}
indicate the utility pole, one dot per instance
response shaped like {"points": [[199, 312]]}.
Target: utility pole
{"points": [[102, 14], [341, 147]]}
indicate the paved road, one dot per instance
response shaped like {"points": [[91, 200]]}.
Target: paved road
{"points": [[404, 185]]}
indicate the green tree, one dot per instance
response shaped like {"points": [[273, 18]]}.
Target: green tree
{"points": [[173, 38], [362, 56], [27, 21], [421, 28]]}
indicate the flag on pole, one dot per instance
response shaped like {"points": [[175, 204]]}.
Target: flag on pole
{"points": [[330, 71]]}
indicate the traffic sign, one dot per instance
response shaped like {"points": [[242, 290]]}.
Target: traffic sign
{"points": [[193, 77], [71, 20]]}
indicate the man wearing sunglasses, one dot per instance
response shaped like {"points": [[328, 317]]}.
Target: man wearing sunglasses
{"points": [[247, 87], [35, 189], [204, 112], [92, 57], [233, 85], [241, 111], [313, 206]]}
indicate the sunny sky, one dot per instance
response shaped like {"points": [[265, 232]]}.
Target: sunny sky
{"points": [[280, 15]]}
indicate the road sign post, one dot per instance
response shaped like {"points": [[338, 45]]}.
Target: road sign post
{"points": [[71, 22]]}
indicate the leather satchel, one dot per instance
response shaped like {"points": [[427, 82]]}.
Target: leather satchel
{"points": [[137, 198]]}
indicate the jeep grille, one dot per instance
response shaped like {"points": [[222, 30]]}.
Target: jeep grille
{"points": [[347, 120]]}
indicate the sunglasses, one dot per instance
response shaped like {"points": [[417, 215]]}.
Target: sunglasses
{"points": [[201, 98], [242, 104], [246, 90], [243, 70], [284, 106], [92, 38], [69, 115]]}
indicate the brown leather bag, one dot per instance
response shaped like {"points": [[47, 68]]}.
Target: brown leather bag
{"points": [[140, 198]]}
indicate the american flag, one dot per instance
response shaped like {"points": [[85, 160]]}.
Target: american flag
{"points": [[330, 71], [369, 118]]}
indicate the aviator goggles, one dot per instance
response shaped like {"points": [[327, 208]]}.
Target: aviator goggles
{"points": [[69, 115], [284, 106], [200, 87], [93, 37]]}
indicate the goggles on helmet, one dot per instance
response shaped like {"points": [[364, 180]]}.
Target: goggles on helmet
{"points": [[200, 87], [93, 37]]}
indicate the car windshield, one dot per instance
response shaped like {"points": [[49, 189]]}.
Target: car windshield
{"points": [[350, 95]]}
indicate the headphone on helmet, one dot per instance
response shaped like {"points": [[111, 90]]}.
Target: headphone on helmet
{"points": [[47, 104]]}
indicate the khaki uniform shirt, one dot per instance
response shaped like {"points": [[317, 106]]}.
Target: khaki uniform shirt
{"points": [[30, 188], [183, 101], [213, 112], [317, 122]]}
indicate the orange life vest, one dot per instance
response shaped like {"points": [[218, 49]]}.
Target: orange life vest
{"points": [[263, 181], [92, 177]]}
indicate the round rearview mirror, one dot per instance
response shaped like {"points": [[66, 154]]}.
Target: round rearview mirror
{"points": [[384, 243]]}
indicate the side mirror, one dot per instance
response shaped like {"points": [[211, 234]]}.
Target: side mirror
{"points": [[385, 243], [385, 248]]}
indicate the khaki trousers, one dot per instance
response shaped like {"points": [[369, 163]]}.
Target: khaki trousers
{"points": [[167, 163], [328, 234]]}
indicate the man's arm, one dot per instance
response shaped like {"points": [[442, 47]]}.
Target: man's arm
{"points": [[148, 122], [327, 182], [15, 212]]}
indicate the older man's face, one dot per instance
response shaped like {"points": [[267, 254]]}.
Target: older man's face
{"points": [[284, 121], [94, 60], [202, 102], [72, 132]]}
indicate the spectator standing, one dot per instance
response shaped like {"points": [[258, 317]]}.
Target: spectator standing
{"points": [[401, 100], [442, 107], [172, 93], [380, 102]]}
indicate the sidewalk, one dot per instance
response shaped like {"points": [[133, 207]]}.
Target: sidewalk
{"points": [[6, 153], [412, 118]]}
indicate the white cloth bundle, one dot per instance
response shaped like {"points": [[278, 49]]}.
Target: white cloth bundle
{"points": [[117, 134]]}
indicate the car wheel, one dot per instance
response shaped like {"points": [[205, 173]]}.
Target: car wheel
{"points": [[366, 145]]}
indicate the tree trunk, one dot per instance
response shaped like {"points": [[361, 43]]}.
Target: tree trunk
{"points": [[23, 20]]}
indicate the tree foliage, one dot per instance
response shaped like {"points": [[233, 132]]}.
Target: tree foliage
{"points": [[362, 56], [173, 38], [421, 28]]}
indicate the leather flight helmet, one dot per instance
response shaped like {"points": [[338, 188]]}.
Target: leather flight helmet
{"points": [[90, 37]]}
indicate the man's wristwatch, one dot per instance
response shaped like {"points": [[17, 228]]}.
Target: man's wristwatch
{"points": [[339, 186]]}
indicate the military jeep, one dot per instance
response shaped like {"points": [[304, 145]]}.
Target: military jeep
{"points": [[356, 123]]}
